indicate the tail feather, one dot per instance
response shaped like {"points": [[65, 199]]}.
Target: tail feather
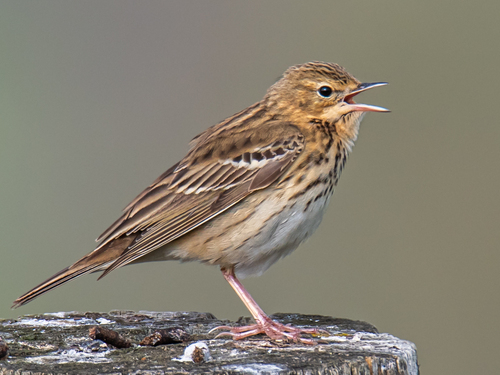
{"points": [[53, 282], [97, 260]]}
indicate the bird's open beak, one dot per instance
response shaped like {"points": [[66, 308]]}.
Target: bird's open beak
{"points": [[353, 106]]}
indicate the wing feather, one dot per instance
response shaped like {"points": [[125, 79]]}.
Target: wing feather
{"points": [[186, 198]]}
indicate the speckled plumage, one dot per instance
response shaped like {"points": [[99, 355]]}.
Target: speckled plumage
{"points": [[250, 188]]}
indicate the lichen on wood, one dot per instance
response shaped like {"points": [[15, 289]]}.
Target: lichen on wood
{"points": [[59, 343]]}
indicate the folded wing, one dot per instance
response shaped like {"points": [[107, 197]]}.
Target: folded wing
{"points": [[215, 175], [207, 182]]}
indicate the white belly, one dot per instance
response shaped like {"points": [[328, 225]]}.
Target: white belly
{"points": [[281, 235]]}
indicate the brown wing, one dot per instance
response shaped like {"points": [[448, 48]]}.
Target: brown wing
{"points": [[213, 177], [219, 171]]}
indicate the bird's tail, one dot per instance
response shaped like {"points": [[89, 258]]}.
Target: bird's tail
{"points": [[97, 260]]}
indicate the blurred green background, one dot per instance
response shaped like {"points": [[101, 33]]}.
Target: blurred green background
{"points": [[99, 98]]}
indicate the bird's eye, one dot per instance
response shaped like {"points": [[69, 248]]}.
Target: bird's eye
{"points": [[325, 91]]}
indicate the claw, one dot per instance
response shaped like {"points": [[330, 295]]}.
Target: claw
{"points": [[219, 327], [227, 333], [264, 324], [274, 330]]}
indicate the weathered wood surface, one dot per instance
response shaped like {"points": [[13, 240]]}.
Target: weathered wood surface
{"points": [[59, 343]]}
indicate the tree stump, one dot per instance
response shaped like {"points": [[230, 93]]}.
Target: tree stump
{"points": [[180, 343]]}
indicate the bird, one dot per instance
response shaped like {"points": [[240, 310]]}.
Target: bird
{"points": [[248, 192]]}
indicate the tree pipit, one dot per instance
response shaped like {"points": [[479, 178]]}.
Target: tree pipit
{"points": [[250, 189]]}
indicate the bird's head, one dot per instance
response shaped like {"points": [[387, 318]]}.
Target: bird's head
{"points": [[321, 91]]}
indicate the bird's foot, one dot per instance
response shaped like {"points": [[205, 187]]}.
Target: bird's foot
{"points": [[273, 329]]}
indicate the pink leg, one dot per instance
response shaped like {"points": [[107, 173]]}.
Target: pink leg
{"points": [[264, 324]]}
